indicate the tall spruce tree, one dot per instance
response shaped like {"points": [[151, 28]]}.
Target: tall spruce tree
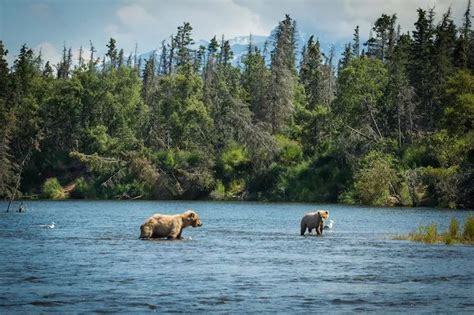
{"points": [[381, 45], [4, 72], [421, 68], [254, 79], [278, 106], [356, 42], [311, 72], [183, 42], [112, 54], [464, 57]]}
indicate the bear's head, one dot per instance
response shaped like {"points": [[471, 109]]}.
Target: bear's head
{"points": [[192, 218], [146, 231], [323, 214]]}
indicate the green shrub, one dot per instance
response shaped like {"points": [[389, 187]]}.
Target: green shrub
{"points": [[290, 151], [236, 188], [83, 189], [448, 239], [468, 233], [52, 189], [233, 159], [373, 180], [426, 234], [431, 234], [442, 185], [453, 228], [219, 191], [417, 155]]}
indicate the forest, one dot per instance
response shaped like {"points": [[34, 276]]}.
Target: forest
{"points": [[391, 124]]}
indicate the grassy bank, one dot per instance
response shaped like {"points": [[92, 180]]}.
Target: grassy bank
{"points": [[429, 233]]}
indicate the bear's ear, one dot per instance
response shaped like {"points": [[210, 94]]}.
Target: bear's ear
{"points": [[192, 214]]}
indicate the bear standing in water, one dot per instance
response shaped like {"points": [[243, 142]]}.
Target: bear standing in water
{"points": [[169, 226], [314, 220]]}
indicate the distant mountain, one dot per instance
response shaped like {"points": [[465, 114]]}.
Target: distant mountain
{"points": [[240, 44]]}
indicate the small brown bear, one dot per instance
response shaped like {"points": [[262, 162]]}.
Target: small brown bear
{"points": [[169, 226], [313, 220]]}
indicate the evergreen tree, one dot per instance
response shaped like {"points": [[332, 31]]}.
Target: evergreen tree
{"points": [[278, 105], [148, 76], [346, 57], [356, 42], [112, 54], [421, 69], [7, 123], [80, 59], [381, 46], [183, 41], [398, 112], [199, 59], [443, 60], [465, 42], [254, 79], [163, 64], [120, 60], [328, 89], [4, 72], [48, 70], [311, 73], [210, 72], [64, 66], [92, 60]]}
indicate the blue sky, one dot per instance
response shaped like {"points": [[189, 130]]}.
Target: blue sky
{"points": [[47, 24]]}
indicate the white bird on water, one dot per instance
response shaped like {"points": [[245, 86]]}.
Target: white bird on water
{"points": [[329, 225], [50, 226]]}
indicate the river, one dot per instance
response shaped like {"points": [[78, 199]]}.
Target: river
{"points": [[247, 257]]}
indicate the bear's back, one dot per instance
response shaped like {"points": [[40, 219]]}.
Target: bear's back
{"points": [[163, 224]]}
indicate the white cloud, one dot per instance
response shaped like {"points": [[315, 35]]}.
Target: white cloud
{"points": [[135, 17], [49, 52], [148, 23], [336, 19]]}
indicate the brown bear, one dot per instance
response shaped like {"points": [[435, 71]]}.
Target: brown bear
{"points": [[313, 220], [169, 226]]}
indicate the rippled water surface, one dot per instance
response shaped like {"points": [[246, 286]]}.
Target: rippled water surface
{"points": [[247, 257]]}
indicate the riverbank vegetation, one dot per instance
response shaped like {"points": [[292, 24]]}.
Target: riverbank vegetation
{"points": [[390, 124], [429, 233]]}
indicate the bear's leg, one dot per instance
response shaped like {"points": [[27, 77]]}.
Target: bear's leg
{"points": [[319, 229], [303, 228], [175, 234]]}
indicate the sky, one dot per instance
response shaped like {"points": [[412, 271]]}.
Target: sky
{"points": [[50, 24]]}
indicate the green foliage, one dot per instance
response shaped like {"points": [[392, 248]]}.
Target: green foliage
{"points": [[459, 113], [394, 127], [52, 189], [361, 87], [373, 182], [468, 232], [429, 234], [442, 185], [83, 189], [290, 151], [453, 228], [219, 191]]}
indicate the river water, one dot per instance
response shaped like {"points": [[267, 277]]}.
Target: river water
{"points": [[247, 257]]}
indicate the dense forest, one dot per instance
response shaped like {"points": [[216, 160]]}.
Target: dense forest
{"points": [[390, 124]]}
